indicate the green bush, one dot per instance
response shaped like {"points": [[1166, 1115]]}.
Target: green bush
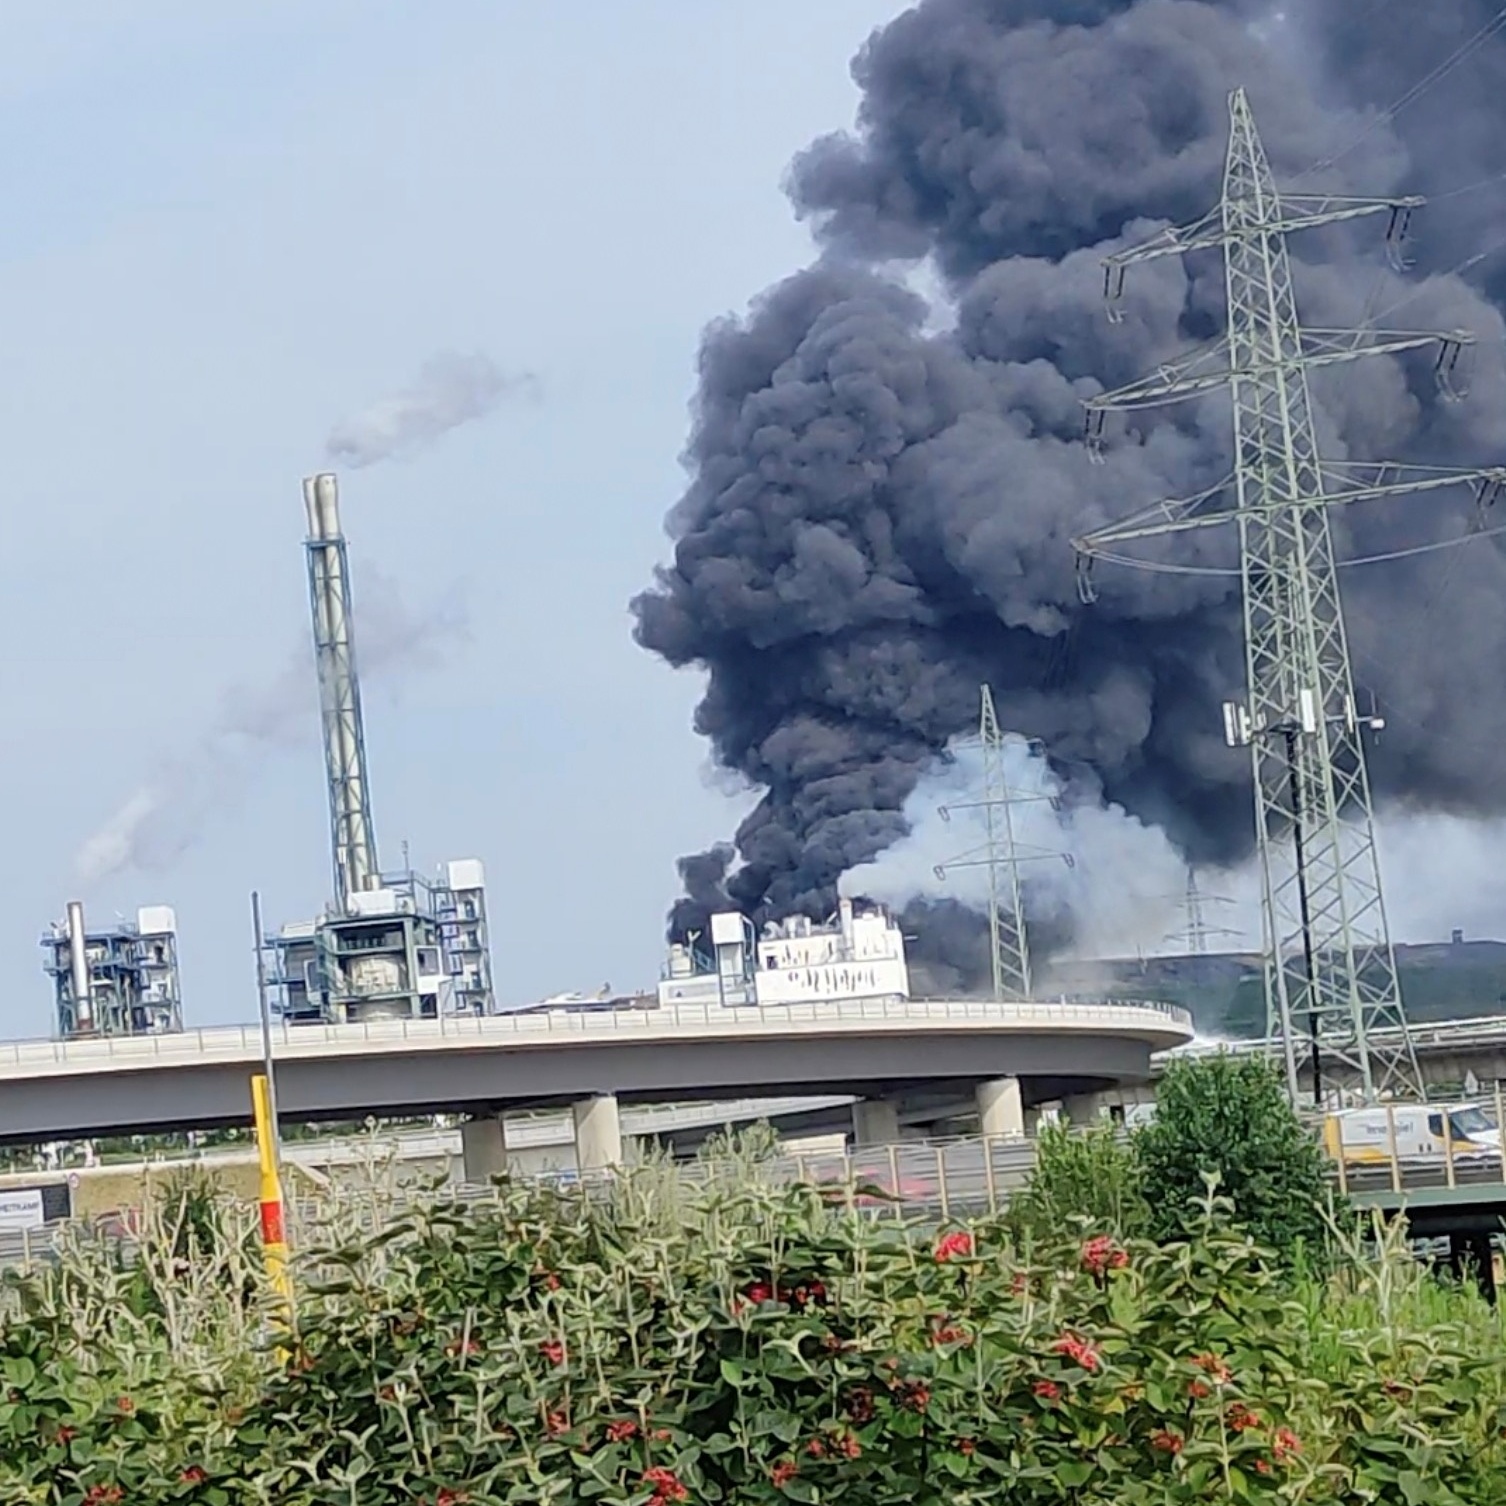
{"points": [[1227, 1119], [1090, 1177], [741, 1344]]}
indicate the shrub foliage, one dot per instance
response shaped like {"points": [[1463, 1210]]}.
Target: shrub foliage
{"points": [[740, 1344], [1227, 1118]]}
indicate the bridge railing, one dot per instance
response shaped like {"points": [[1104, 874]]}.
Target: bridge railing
{"points": [[239, 1041]]}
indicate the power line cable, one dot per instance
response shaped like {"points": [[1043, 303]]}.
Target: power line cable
{"points": [[1426, 82]]}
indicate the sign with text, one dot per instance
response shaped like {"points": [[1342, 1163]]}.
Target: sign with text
{"points": [[21, 1208]]}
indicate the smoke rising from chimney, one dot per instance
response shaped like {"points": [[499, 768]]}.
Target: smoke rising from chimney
{"points": [[881, 502], [162, 819], [451, 390]]}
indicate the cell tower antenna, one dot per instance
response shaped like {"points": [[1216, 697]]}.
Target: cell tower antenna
{"points": [[1333, 1002], [1002, 856], [352, 837]]}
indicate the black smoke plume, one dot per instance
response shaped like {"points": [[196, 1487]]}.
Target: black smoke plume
{"points": [[883, 487]]}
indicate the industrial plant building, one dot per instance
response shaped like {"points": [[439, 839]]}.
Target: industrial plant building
{"points": [[394, 945]]}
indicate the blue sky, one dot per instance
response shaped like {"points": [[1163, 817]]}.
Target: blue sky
{"points": [[228, 227]]}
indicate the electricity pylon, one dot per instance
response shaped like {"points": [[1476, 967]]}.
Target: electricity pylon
{"points": [[1332, 999], [1198, 929], [1002, 855]]}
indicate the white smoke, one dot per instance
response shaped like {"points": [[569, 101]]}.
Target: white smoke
{"points": [[160, 820], [1124, 888], [451, 390]]}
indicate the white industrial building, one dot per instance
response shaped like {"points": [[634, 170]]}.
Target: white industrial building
{"points": [[858, 953]]}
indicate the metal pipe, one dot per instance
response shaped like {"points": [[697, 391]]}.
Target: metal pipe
{"points": [[78, 955], [263, 1004]]}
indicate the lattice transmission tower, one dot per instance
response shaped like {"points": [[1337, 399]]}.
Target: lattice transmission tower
{"points": [[1333, 1004], [1197, 929], [1002, 855]]}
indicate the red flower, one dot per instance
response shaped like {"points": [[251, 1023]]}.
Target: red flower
{"points": [[1167, 1442], [1101, 1254], [783, 1472], [816, 1448], [1079, 1351], [848, 1446], [1262, 1466], [667, 1485], [914, 1396], [126, 1405], [450, 1498], [1019, 1283], [551, 1281], [462, 1346], [1285, 1444], [1213, 1367], [195, 1474], [950, 1335], [556, 1423], [966, 1447], [1047, 1390], [66, 1435], [957, 1245], [1198, 1391], [1240, 1418], [103, 1495], [662, 1435], [553, 1351]]}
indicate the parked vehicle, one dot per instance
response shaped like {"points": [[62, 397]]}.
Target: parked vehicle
{"points": [[1409, 1131]]}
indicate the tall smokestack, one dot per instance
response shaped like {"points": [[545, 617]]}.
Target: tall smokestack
{"points": [[78, 956], [352, 839]]}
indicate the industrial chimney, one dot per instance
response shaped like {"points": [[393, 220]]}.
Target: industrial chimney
{"points": [[352, 838], [78, 957]]}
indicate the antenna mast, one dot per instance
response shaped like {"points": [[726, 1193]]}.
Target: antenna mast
{"points": [[1009, 946], [1333, 1002], [352, 839]]}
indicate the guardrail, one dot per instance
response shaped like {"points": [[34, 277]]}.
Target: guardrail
{"points": [[236, 1042]]}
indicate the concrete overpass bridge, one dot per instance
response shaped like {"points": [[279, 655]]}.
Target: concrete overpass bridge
{"points": [[1450, 1052], [1007, 1057]]}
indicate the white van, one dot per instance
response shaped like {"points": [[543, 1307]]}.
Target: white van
{"points": [[1431, 1130]]}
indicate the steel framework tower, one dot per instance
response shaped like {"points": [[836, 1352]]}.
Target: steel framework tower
{"points": [[352, 838], [1002, 855], [1198, 930], [1332, 998]]}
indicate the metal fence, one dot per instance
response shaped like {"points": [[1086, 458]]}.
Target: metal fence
{"points": [[940, 1178]]}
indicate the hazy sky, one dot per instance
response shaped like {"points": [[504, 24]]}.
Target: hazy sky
{"points": [[229, 227]]}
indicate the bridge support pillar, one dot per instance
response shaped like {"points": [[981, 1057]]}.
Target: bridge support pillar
{"points": [[1084, 1110], [1001, 1111], [875, 1121], [598, 1133], [483, 1149]]}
